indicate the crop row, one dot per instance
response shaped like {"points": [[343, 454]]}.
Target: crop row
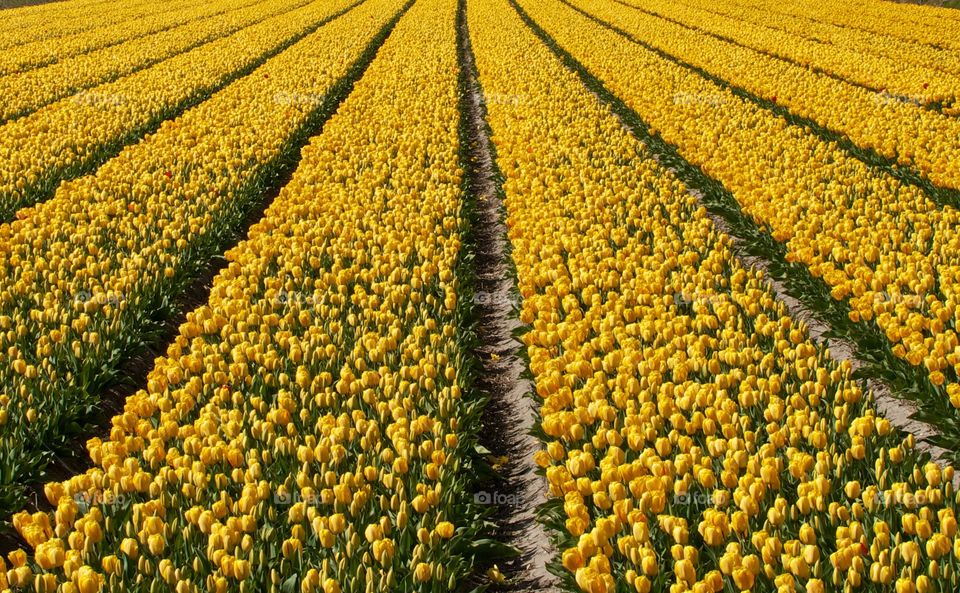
{"points": [[842, 39], [308, 430], [880, 247], [695, 439], [895, 79], [74, 135], [938, 30], [26, 92], [47, 21], [899, 131], [40, 53], [87, 273]]}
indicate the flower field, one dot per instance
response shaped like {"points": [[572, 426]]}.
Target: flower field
{"points": [[245, 323]]}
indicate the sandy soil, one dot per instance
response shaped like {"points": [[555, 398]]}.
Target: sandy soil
{"points": [[510, 412]]}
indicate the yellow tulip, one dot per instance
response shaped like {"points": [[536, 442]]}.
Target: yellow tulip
{"points": [[129, 547], [423, 572], [444, 529]]}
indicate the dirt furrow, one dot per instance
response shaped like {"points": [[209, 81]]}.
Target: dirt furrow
{"points": [[510, 412]]}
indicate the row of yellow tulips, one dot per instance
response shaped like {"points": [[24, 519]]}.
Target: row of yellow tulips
{"points": [[40, 22], [23, 57], [83, 275], [879, 245], [74, 135], [895, 79], [866, 43], [882, 18], [929, 15], [903, 132], [695, 439], [308, 430], [26, 92], [33, 15]]}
